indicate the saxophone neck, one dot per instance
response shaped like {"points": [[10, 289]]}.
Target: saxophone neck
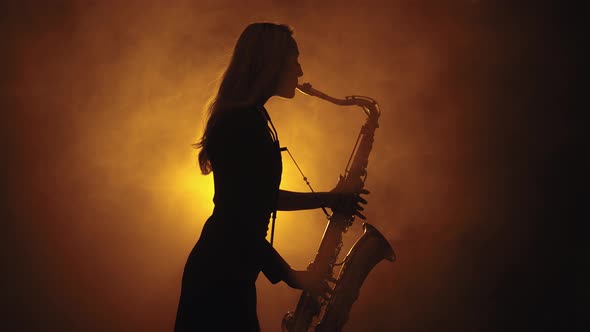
{"points": [[369, 105]]}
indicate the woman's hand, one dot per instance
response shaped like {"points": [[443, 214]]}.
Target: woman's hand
{"points": [[347, 202], [311, 282]]}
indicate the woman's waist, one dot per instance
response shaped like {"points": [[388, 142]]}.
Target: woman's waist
{"points": [[246, 224], [236, 212]]}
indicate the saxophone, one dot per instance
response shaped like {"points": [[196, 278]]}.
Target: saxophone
{"points": [[313, 313]]}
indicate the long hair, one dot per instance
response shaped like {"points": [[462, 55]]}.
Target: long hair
{"points": [[251, 77]]}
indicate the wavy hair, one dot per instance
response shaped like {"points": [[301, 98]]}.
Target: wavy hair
{"points": [[251, 77]]}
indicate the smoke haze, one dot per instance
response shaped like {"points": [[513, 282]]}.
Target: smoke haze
{"points": [[104, 200]]}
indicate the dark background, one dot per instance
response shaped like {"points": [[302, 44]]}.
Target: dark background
{"points": [[494, 124]]}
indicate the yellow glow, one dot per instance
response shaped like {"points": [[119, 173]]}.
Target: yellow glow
{"points": [[193, 190], [112, 103]]}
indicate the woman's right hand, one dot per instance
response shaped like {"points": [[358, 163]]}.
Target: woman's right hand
{"points": [[311, 282]]}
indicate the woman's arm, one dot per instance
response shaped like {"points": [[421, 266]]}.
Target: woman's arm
{"points": [[291, 201]]}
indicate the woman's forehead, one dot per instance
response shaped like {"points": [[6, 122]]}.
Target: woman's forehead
{"points": [[294, 47]]}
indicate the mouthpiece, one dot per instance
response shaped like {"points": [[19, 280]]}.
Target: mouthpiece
{"points": [[306, 89]]}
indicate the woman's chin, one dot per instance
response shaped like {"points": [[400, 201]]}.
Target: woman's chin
{"points": [[287, 94]]}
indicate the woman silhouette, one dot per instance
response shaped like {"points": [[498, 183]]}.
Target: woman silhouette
{"points": [[240, 146]]}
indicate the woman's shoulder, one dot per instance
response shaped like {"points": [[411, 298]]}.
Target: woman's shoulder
{"points": [[238, 114], [237, 123]]}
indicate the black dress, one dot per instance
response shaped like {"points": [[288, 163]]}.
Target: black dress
{"points": [[218, 285]]}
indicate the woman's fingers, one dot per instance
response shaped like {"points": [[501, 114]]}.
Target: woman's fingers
{"points": [[361, 200], [327, 291], [319, 287], [360, 215], [324, 290], [350, 202]]}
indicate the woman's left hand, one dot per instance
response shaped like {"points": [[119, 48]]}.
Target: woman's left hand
{"points": [[348, 202]]}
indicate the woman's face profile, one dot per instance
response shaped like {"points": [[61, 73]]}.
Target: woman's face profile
{"points": [[289, 77]]}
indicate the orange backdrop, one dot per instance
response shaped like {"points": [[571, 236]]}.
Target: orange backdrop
{"points": [[105, 199]]}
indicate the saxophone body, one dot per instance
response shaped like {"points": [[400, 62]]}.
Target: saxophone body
{"points": [[313, 313]]}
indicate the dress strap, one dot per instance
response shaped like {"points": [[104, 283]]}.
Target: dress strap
{"points": [[272, 129]]}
